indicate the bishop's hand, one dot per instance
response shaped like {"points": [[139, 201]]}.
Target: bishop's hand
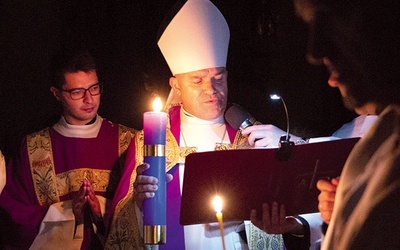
{"points": [[145, 186]]}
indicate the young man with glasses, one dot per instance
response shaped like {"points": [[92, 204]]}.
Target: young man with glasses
{"points": [[59, 183]]}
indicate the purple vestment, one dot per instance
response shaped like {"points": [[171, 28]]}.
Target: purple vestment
{"points": [[75, 159]]}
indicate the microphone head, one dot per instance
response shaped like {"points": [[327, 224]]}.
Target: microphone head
{"points": [[238, 118]]}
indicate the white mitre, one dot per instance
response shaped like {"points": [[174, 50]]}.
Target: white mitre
{"points": [[196, 38]]}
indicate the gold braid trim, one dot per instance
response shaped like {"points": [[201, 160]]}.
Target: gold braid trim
{"points": [[240, 142], [126, 134], [71, 181], [139, 160], [41, 163], [124, 232]]}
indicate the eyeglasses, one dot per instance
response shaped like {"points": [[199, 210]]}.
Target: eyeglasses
{"points": [[79, 93]]}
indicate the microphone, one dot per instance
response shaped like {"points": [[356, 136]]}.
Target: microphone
{"points": [[239, 118]]}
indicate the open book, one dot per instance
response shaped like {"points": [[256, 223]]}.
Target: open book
{"points": [[245, 179]]}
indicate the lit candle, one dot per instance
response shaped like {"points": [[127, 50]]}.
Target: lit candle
{"points": [[217, 203], [154, 209]]}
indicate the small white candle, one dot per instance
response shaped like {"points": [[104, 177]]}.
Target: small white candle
{"points": [[217, 203]]}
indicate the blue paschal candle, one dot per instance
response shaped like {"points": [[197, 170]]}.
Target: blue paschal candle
{"points": [[154, 209]]}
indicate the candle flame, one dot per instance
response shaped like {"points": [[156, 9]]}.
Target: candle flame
{"points": [[217, 203], [157, 105]]}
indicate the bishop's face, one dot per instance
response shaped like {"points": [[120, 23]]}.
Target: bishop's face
{"points": [[203, 92]]}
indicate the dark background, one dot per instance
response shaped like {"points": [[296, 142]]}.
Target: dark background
{"points": [[266, 54]]}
